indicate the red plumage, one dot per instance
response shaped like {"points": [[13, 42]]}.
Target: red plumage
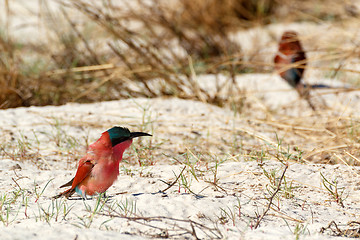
{"points": [[290, 60], [99, 168]]}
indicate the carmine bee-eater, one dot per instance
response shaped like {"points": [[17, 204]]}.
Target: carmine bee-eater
{"points": [[290, 61], [290, 52], [99, 168]]}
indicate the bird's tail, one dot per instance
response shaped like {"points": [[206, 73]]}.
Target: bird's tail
{"points": [[322, 86], [317, 86], [66, 193]]}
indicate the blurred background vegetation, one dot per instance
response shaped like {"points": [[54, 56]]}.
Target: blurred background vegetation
{"points": [[105, 50]]}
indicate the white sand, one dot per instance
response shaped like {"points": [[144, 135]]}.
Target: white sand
{"points": [[171, 121]]}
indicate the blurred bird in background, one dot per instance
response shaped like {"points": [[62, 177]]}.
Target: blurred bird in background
{"points": [[290, 60], [290, 63]]}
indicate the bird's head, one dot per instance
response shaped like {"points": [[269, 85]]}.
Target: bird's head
{"points": [[120, 134], [289, 43], [289, 36]]}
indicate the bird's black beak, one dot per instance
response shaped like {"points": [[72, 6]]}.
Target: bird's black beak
{"points": [[138, 134]]}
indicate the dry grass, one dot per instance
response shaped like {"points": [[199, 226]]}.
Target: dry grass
{"points": [[123, 47]]}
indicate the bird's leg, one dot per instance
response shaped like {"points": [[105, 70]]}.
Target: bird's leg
{"points": [[304, 92], [85, 197]]}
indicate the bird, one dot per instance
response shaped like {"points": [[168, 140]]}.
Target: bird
{"points": [[290, 62], [290, 52], [99, 168]]}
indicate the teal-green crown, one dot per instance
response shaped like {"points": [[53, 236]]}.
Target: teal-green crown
{"points": [[121, 134]]}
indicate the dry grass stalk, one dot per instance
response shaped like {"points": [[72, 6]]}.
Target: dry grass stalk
{"points": [[352, 229], [257, 224], [164, 37]]}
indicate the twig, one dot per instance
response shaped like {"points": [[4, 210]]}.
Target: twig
{"points": [[338, 231], [16, 183], [173, 183], [213, 233], [216, 186], [120, 193], [193, 231], [271, 198]]}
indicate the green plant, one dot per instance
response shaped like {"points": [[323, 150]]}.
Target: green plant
{"points": [[37, 194], [332, 187], [286, 188], [299, 230], [86, 221], [143, 152], [60, 137], [231, 214], [125, 208], [11, 203], [55, 209], [7, 215], [271, 198]]}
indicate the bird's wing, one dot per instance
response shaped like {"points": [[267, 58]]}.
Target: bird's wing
{"points": [[85, 166], [281, 60], [277, 59], [82, 172], [84, 169], [68, 184]]}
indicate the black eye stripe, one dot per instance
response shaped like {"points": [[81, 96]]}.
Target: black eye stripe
{"points": [[116, 141]]}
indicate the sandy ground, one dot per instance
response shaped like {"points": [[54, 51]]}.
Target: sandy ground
{"points": [[42, 145]]}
